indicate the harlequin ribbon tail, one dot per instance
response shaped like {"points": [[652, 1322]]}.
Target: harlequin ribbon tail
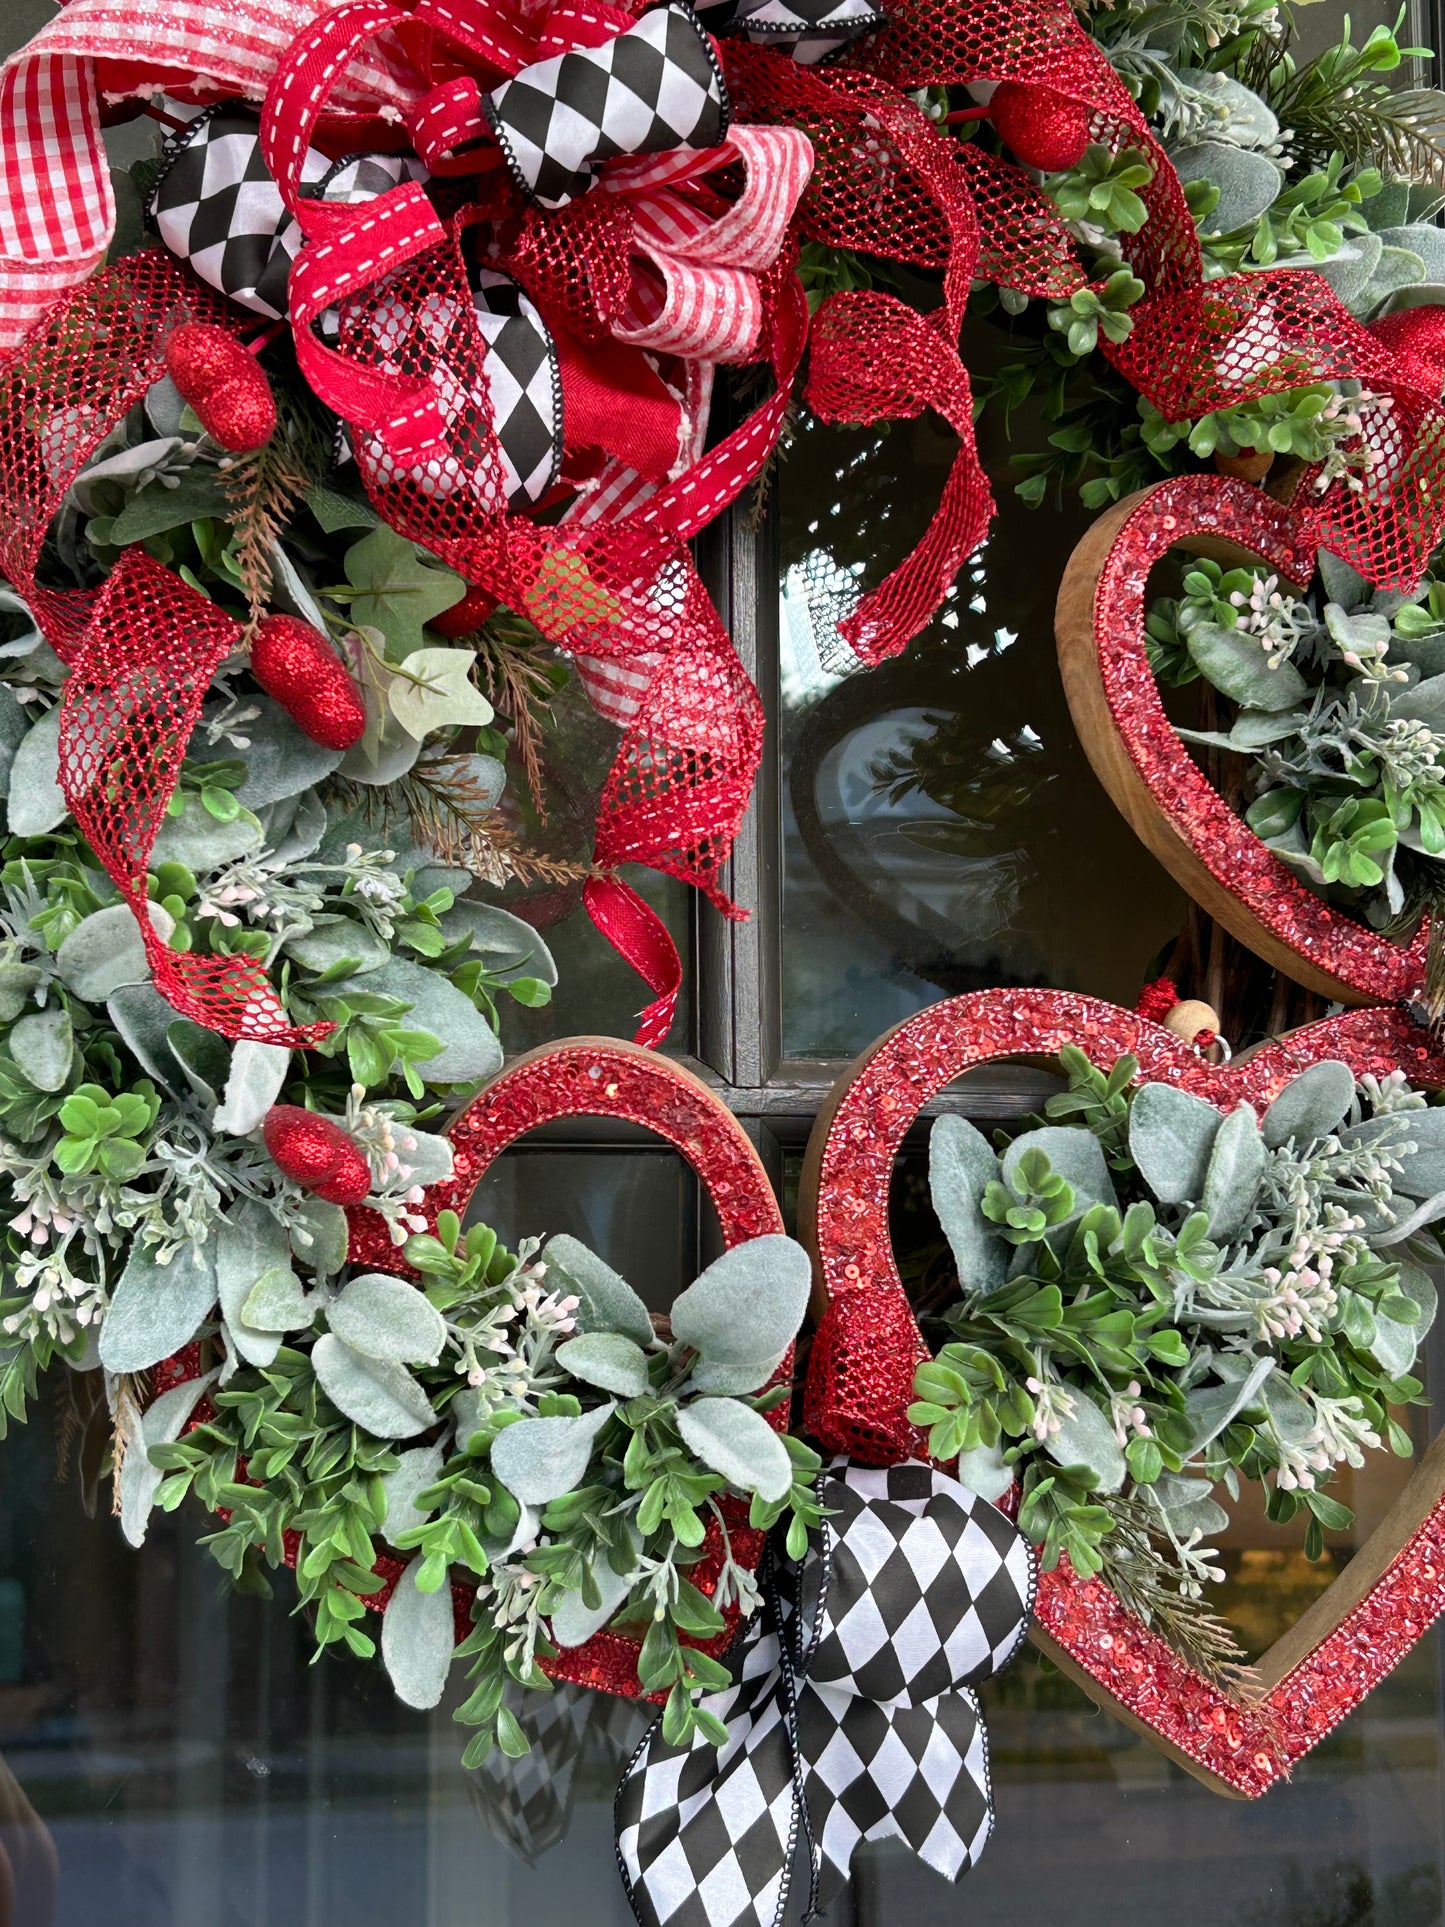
{"points": [[851, 1717]]}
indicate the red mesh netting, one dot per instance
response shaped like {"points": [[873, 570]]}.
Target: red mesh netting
{"points": [[137, 680], [79, 377], [625, 590]]}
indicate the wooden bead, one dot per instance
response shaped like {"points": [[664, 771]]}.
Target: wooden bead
{"points": [[1190, 1016]]}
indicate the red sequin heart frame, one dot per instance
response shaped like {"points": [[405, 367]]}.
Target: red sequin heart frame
{"points": [[1147, 769], [868, 1345], [600, 1077]]}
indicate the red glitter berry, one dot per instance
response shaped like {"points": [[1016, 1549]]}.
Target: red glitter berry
{"points": [[1416, 338], [464, 616], [317, 1154], [294, 663], [1039, 127], [223, 384]]}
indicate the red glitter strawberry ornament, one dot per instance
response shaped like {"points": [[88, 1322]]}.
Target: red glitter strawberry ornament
{"points": [[296, 665], [317, 1154], [223, 385], [1039, 127]]}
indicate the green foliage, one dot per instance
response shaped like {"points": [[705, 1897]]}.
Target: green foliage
{"points": [[1101, 189]]}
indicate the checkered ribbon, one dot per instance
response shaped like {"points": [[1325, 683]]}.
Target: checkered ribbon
{"points": [[655, 87], [851, 1717], [806, 30]]}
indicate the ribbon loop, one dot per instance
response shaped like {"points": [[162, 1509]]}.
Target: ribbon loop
{"points": [[850, 1718]]}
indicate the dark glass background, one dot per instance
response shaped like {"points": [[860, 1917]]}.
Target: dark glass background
{"points": [[168, 1755]]}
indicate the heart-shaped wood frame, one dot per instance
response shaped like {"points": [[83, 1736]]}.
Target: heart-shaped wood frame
{"points": [[868, 1345], [601, 1077], [1147, 769]]}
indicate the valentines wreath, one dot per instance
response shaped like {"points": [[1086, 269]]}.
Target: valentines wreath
{"points": [[351, 426]]}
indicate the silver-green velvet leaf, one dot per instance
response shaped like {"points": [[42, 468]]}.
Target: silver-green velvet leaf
{"points": [[961, 1166], [418, 1638], [1074, 1154], [983, 1471], [1425, 703], [195, 838], [162, 1423], [375, 1393], [469, 1047], [43, 1045], [320, 1235], [748, 1304], [608, 1302], [1171, 1134], [387, 1318], [1085, 1437], [733, 1380], [334, 940], [1248, 183], [156, 1309], [252, 1252], [540, 1459], [1310, 1106], [36, 802], [511, 947], [282, 759], [253, 1085], [278, 1302], [574, 1622], [1422, 1171], [416, 1468], [607, 1360], [1236, 1165], [1237, 666], [106, 950], [1290, 1413], [738, 1442], [1209, 1408]]}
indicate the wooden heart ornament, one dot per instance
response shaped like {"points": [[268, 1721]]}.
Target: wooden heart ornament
{"points": [[868, 1345], [600, 1077], [1148, 771]]}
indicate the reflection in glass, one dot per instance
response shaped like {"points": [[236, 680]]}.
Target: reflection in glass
{"points": [[942, 830]]}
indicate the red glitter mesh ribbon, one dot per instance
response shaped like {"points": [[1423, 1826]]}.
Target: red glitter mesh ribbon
{"points": [[137, 682]]}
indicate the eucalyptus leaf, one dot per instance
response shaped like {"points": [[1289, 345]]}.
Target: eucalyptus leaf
{"points": [[196, 839], [1291, 1415], [470, 1050], [1424, 239], [418, 1638], [983, 1471], [18, 984], [1310, 1106], [1236, 1166], [541, 1459], [748, 1304], [738, 1442], [36, 802], [1238, 667], [320, 1235], [204, 1057], [252, 1086], [386, 1318], [1209, 1408], [1171, 1136], [1189, 1507], [282, 759], [277, 1300], [573, 1621], [1248, 183], [416, 1468], [608, 1303], [156, 1309], [1394, 1345], [142, 1017], [14, 723], [105, 951], [374, 1393], [510, 947], [961, 1166], [608, 1360], [252, 1256], [335, 940], [1085, 1437], [43, 1047], [162, 1423], [733, 1380]]}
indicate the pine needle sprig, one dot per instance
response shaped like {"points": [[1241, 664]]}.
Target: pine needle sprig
{"points": [[1148, 1585], [520, 676], [264, 488], [449, 811]]}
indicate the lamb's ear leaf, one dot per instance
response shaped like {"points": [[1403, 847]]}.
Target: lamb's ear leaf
{"points": [[418, 1638], [1236, 1165], [608, 1302], [1311, 1105], [748, 1304], [1171, 1134], [961, 1166], [541, 1459]]}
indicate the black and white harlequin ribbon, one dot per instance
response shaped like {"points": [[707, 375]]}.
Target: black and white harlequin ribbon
{"points": [[219, 210], [655, 87], [851, 1717], [806, 30]]}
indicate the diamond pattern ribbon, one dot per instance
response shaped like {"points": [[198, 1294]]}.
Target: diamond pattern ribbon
{"points": [[852, 1717]]}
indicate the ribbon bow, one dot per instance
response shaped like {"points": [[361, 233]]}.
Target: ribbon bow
{"points": [[852, 1716]]}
